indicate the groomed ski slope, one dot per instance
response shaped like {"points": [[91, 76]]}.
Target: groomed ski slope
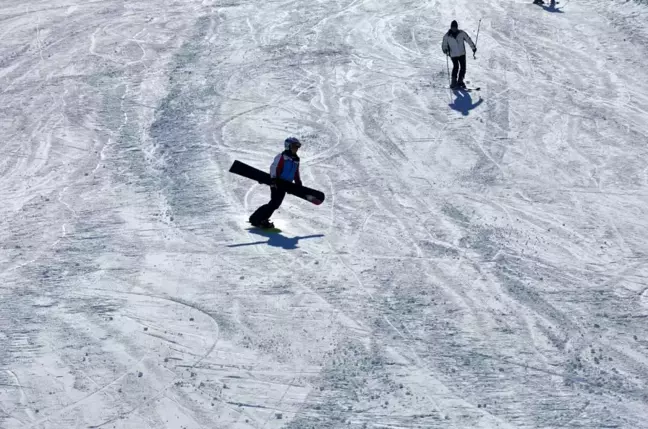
{"points": [[480, 262]]}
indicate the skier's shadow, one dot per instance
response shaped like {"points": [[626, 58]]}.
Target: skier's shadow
{"points": [[551, 8], [276, 239], [463, 103]]}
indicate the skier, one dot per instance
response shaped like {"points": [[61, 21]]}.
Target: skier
{"points": [[285, 167], [453, 46]]}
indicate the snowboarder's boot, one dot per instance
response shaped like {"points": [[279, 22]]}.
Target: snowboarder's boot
{"points": [[262, 224], [265, 224]]}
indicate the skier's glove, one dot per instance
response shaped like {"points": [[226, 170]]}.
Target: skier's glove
{"points": [[474, 50]]}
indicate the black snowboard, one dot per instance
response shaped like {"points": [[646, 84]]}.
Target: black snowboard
{"points": [[312, 195]]}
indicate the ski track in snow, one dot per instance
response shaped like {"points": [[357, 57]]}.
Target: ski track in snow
{"points": [[480, 261]]}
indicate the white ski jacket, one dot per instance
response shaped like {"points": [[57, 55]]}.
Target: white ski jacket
{"points": [[455, 45]]}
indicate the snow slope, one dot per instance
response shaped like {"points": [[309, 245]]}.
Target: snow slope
{"points": [[481, 260]]}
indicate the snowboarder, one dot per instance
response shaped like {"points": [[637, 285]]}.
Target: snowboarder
{"points": [[285, 167], [552, 4], [453, 46]]}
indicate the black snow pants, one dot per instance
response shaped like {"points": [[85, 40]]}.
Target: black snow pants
{"points": [[265, 211], [458, 62]]}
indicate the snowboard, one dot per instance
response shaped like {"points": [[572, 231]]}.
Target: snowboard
{"points": [[311, 195], [272, 230]]}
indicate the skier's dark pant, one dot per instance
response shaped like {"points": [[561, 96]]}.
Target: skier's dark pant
{"points": [[456, 63], [265, 211]]}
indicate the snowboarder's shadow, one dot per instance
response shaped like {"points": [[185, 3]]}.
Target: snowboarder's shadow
{"points": [[276, 239], [552, 9], [463, 103]]}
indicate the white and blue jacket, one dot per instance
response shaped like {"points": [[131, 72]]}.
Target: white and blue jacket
{"points": [[286, 167]]}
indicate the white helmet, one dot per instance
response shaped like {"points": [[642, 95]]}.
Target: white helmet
{"points": [[291, 141]]}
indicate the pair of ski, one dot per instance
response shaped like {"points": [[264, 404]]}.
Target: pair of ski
{"points": [[458, 88], [466, 89]]}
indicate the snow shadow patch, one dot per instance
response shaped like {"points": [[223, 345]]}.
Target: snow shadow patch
{"points": [[551, 8], [276, 239], [464, 103]]}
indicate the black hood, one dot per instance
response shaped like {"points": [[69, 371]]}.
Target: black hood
{"points": [[454, 28]]}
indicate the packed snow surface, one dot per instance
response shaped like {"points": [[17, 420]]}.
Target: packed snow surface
{"points": [[480, 261]]}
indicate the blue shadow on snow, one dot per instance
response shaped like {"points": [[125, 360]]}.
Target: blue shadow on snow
{"points": [[276, 239], [463, 103], [551, 8]]}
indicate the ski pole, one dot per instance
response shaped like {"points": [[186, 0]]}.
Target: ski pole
{"points": [[477, 39]]}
